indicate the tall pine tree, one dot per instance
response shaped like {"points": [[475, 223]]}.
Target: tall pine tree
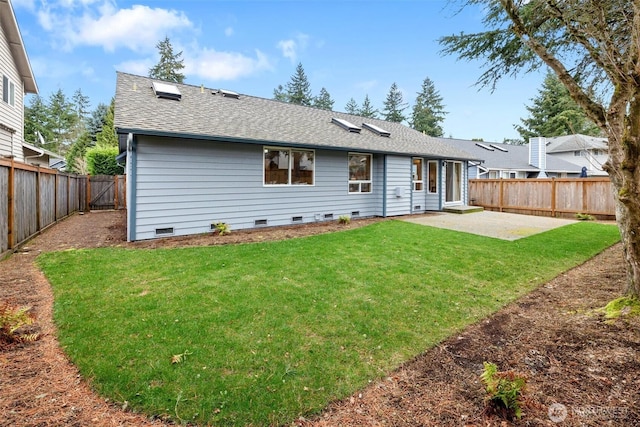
{"points": [[428, 112], [61, 121], [394, 105], [351, 107], [367, 109], [36, 118], [299, 89], [554, 113], [170, 64], [323, 100]]}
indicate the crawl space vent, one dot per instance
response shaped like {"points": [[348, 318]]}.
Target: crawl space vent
{"points": [[167, 231], [296, 219], [355, 214], [328, 216], [258, 222]]}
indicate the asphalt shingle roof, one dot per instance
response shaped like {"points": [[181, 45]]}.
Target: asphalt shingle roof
{"points": [[200, 114], [577, 142], [515, 158]]}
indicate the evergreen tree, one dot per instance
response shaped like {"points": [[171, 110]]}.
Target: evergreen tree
{"points": [[61, 121], [323, 100], [169, 66], [81, 108], [555, 113], [428, 112], [367, 109], [298, 90], [279, 94], [97, 119], [36, 117], [75, 155], [394, 105], [107, 136], [351, 107]]}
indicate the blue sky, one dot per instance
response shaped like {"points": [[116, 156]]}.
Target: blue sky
{"points": [[350, 47]]}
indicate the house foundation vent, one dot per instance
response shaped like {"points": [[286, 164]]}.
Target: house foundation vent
{"points": [[259, 222], [417, 208], [167, 231], [296, 219], [355, 214], [328, 216]]}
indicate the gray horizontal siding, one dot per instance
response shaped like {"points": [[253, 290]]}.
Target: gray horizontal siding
{"points": [[398, 176], [188, 185]]}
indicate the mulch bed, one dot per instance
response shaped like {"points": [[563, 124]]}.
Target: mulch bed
{"points": [[554, 336]]}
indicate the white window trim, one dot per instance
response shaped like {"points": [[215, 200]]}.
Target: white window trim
{"points": [[435, 165], [462, 178], [290, 150], [418, 181], [361, 181], [10, 91]]}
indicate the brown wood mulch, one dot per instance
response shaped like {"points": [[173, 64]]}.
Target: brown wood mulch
{"points": [[581, 370]]}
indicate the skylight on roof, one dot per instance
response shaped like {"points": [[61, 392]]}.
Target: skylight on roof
{"points": [[486, 147], [166, 90], [346, 125], [377, 130], [497, 147], [228, 94]]}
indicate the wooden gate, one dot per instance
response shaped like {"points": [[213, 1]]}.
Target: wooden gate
{"points": [[107, 192]]}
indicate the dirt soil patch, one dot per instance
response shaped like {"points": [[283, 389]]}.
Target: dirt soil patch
{"points": [[587, 371]]}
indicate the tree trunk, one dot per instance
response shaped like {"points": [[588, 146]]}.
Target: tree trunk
{"points": [[623, 166]]}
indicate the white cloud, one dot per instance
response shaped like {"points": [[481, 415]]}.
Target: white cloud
{"points": [[214, 65], [291, 48], [102, 24], [228, 31]]}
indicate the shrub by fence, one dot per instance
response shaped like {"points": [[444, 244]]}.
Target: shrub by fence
{"points": [[546, 196], [32, 198]]}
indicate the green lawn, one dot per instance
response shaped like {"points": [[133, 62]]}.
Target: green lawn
{"points": [[276, 330]]}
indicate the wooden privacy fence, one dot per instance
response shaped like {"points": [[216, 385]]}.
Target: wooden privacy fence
{"points": [[32, 198], [106, 192], [546, 196]]}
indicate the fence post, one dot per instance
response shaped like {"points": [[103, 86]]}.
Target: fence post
{"points": [[553, 197], [10, 206], [501, 195], [68, 194], [88, 195], [584, 196], [116, 181], [38, 210]]}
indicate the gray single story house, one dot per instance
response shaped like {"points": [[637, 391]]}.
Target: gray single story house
{"points": [[197, 156], [514, 161]]}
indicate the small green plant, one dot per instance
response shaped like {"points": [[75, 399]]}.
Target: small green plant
{"points": [[585, 217], [222, 228], [12, 319], [344, 219], [621, 307], [504, 390]]}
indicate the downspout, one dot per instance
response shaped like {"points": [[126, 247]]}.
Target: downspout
{"points": [[384, 187], [411, 186], [131, 191]]}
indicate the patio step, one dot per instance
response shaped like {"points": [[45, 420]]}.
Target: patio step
{"points": [[463, 209]]}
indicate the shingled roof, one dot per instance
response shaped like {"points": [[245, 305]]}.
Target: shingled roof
{"points": [[510, 157], [207, 114]]}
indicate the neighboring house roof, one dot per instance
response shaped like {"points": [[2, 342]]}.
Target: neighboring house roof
{"points": [[14, 38], [202, 115], [577, 142], [499, 156], [33, 151]]}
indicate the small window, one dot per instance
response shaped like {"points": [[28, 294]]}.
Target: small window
{"points": [[8, 91], [359, 173], [578, 153], [418, 182], [284, 166], [432, 175]]}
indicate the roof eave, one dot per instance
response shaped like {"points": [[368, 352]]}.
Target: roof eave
{"points": [[219, 138], [14, 38]]}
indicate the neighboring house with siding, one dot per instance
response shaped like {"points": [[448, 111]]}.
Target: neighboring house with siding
{"points": [[196, 156], [586, 151], [513, 161], [17, 80]]}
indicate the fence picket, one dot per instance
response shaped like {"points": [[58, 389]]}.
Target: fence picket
{"points": [[545, 197]]}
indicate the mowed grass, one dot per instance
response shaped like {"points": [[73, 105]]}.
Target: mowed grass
{"points": [[272, 331]]}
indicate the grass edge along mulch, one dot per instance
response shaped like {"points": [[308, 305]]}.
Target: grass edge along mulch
{"points": [[268, 332]]}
